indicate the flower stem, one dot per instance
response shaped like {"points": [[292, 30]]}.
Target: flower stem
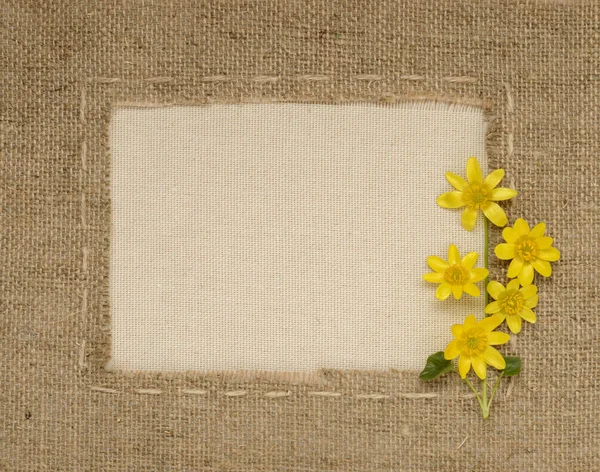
{"points": [[485, 408], [482, 399], [485, 259], [475, 392], [496, 385]]}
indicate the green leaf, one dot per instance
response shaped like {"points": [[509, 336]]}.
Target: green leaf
{"points": [[436, 365], [513, 366]]}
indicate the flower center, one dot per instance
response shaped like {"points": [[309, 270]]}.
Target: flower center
{"points": [[475, 343], [475, 195], [513, 303], [527, 250], [456, 274]]}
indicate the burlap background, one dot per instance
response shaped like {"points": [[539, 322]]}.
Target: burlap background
{"points": [[533, 65]]}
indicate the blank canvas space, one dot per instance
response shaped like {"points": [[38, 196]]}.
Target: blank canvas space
{"points": [[284, 237]]}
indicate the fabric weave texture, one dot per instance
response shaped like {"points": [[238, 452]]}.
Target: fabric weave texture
{"points": [[285, 237], [66, 65]]}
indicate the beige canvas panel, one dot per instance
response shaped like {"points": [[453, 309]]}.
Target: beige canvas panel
{"points": [[285, 237]]}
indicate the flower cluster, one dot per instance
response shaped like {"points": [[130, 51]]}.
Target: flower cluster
{"points": [[529, 251]]}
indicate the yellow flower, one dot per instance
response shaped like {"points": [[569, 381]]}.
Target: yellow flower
{"points": [[528, 249], [455, 276], [473, 343], [477, 194], [512, 303]]}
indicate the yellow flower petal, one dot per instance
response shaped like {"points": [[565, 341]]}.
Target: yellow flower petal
{"points": [[468, 218], [494, 178], [528, 315], [544, 242], [510, 235], [543, 267], [494, 358], [528, 291], [526, 275], [495, 288], [469, 260], [478, 274], [437, 263], [551, 254], [457, 182], [464, 365], [470, 322], [532, 301], [521, 227], [513, 285], [493, 307], [515, 267], [443, 291], [495, 214], [434, 277], [453, 255], [538, 230], [450, 200], [452, 350], [474, 171], [457, 291], [514, 323], [457, 330], [479, 367], [500, 194], [505, 251], [490, 323], [471, 289], [496, 338]]}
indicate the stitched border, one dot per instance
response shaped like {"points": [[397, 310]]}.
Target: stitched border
{"points": [[275, 78], [283, 393], [506, 128]]}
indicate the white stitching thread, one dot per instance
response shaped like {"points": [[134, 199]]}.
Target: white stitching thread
{"points": [[148, 391], [82, 365], [510, 109], [103, 390], [373, 396], [274, 78], [282, 394], [194, 392], [277, 394], [324, 394]]}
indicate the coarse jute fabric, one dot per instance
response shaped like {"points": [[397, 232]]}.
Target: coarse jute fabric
{"points": [[533, 66], [285, 237]]}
